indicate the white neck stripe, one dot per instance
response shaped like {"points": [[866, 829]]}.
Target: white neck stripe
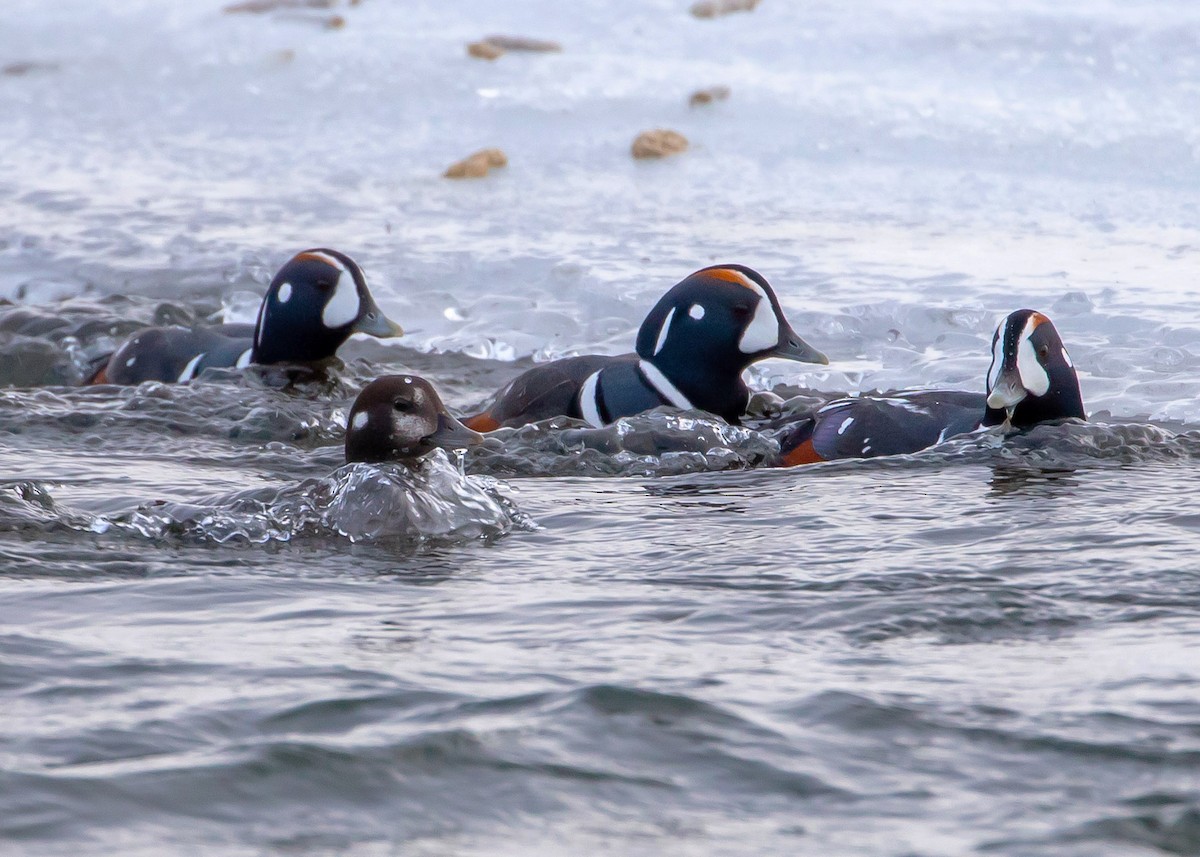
{"points": [[588, 405], [664, 387], [190, 369]]}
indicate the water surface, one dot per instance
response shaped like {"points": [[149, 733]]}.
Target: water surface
{"points": [[990, 648]]}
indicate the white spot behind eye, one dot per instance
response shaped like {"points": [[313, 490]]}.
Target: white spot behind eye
{"points": [[342, 306], [131, 361], [763, 331], [662, 333], [360, 420], [1067, 358], [408, 380], [285, 293], [696, 312]]}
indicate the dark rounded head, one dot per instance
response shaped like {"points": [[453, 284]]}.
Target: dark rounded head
{"points": [[1031, 379], [401, 418], [316, 301], [725, 314]]}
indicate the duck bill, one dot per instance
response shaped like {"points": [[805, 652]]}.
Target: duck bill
{"points": [[451, 434], [373, 322], [792, 347], [1007, 392]]}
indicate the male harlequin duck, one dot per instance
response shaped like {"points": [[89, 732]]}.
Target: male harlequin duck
{"points": [[1031, 380], [401, 418], [316, 301], [691, 351]]}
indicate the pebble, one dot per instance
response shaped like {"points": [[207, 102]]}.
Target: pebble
{"points": [[493, 47], [716, 8], [708, 96], [476, 166], [659, 144]]}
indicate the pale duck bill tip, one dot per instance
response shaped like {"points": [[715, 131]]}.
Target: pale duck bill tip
{"points": [[792, 347], [1007, 393], [379, 326], [451, 434]]}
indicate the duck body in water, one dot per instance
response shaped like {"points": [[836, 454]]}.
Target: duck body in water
{"points": [[691, 351], [1031, 380], [316, 301]]}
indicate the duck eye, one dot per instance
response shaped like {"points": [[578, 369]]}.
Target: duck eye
{"points": [[741, 311], [403, 405], [1044, 351]]}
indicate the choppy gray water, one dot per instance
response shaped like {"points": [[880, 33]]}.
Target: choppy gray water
{"points": [[216, 639]]}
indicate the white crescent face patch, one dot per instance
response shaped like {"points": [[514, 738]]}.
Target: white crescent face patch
{"points": [[762, 333], [1034, 377], [343, 305]]}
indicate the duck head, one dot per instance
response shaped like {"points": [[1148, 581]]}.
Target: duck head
{"points": [[401, 418], [1031, 379], [315, 303], [711, 325]]}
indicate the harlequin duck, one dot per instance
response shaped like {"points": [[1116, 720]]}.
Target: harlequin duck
{"points": [[1031, 380], [691, 351], [401, 418], [316, 301]]}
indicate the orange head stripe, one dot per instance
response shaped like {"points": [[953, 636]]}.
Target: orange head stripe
{"points": [[731, 276], [481, 422], [1038, 320], [805, 453], [319, 257]]}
